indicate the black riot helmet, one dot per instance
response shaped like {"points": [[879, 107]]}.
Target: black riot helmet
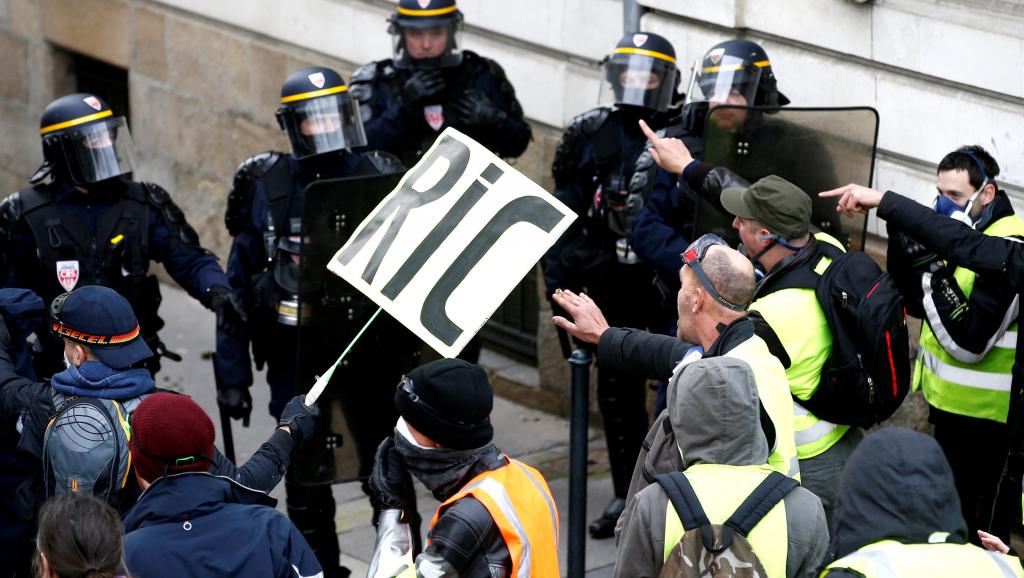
{"points": [[424, 34], [641, 71], [83, 141], [318, 113], [739, 68]]}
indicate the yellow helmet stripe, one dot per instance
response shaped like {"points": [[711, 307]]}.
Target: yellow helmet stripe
{"points": [[731, 67], [431, 12], [75, 121], [642, 52], [313, 94]]}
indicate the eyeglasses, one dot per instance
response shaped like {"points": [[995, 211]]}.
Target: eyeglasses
{"points": [[692, 257]]}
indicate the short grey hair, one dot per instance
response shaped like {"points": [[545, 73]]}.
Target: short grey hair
{"points": [[731, 273]]}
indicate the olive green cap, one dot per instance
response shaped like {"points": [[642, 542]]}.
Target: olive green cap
{"points": [[776, 203]]}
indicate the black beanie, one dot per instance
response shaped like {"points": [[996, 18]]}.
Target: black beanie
{"points": [[450, 402]]}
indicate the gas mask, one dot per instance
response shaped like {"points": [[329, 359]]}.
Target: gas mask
{"points": [[944, 206]]}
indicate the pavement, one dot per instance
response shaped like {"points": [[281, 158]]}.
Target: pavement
{"points": [[537, 438]]}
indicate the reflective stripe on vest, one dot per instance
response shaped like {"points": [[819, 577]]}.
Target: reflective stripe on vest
{"points": [[515, 495], [890, 559], [797, 319], [721, 489], [773, 391], [980, 389]]}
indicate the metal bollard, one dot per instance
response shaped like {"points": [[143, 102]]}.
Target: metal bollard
{"points": [[579, 418]]}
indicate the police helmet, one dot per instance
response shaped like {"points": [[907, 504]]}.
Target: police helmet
{"points": [[83, 141], [739, 69], [641, 71], [318, 113], [419, 27]]}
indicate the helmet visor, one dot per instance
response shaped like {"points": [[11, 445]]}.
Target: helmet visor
{"points": [[98, 151], [425, 47], [730, 80], [324, 124], [638, 80]]}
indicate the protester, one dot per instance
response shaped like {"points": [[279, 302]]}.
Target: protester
{"points": [[899, 515], [997, 258], [716, 284], [496, 517], [714, 411], [190, 522], [80, 536]]}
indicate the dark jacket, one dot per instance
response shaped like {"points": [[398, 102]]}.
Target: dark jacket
{"points": [[197, 524], [897, 486], [394, 125]]}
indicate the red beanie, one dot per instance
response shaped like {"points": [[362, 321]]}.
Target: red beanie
{"points": [[170, 434]]}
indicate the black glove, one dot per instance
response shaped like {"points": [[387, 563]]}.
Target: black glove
{"points": [[390, 482], [235, 402], [475, 109], [921, 258], [230, 314], [422, 85], [300, 418]]}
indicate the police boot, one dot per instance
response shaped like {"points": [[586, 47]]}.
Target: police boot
{"points": [[621, 399], [311, 509]]}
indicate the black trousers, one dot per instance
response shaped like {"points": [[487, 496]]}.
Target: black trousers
{"points": [[976, 450]]}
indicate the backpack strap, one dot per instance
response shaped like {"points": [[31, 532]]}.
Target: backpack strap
{"points": [[757, 505], [687, 506]]}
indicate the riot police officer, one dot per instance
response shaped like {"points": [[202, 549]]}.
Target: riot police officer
{"points": [[430, 84], [592, 168], [91, 224], [300, 315]]}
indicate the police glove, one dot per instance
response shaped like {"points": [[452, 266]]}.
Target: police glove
{"points": [[390, 482], [231, 315], [475, 109], [300, 418], [236, 403], [422, 85]]}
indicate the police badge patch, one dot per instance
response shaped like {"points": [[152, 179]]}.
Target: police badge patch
{"points": [[424, 4], [715, 56], [93, 102], [639, 40], [317, 78], [434, 114], [67, 274]]}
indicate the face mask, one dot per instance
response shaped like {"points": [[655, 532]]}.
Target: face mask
{"points": [[443, 471], [944, 206]]}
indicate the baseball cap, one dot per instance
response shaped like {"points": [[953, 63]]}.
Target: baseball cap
{"points": [[776, 203], [102, 320]]}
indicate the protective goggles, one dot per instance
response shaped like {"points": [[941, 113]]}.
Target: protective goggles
{"points": [[692, 257]]}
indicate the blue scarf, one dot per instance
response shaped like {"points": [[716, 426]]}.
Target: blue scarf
{"points": [[94, 379]]}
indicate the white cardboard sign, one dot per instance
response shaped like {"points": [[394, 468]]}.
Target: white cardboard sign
{"points": [[453, 239]]}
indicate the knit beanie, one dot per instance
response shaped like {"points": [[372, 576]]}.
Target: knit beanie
{"points": [[449, 401], [170, 434]]}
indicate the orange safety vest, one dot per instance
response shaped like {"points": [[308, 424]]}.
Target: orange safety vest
{"points": [[517, 497]]}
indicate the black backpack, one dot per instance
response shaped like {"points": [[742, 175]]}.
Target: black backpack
{"points": [[719, 550], [867, 375]]}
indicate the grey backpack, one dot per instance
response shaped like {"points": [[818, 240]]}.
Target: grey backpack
{"points": [[85, 448], [719, 550]]}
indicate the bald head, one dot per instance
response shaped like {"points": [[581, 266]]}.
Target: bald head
{"points": [[731, 273]]}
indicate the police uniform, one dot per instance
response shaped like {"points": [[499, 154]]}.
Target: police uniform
{"points": [[265, 216], [592, 168], [406, 102], [92, 225]]}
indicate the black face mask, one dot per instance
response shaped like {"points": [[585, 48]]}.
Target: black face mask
{"points": [[442, 471]]}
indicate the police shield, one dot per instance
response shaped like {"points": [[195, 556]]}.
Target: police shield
{"points": [[816, 149], [327, 313]]}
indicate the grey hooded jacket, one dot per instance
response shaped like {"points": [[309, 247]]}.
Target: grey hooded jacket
{"points": [[714, 411]]}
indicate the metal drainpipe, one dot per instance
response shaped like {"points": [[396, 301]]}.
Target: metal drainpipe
{"points": [[631, 12]]}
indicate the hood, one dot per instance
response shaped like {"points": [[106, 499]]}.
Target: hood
{"points": [[898, 486], [189, 495], [716, 413], [95, 379]]}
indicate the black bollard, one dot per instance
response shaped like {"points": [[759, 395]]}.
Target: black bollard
{"points": [[578, 423]]}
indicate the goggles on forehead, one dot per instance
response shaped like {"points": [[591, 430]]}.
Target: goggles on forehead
{"points": [[692, 257]]}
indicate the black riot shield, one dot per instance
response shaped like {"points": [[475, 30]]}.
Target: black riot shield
{"points": [[328, 312], [816, 149]]}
